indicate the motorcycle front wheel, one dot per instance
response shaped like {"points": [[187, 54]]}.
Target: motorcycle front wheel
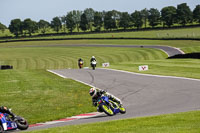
{"points": [[107, 110], [22, 124]]}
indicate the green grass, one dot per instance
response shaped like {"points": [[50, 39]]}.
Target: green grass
{"points": [[186, 45], [173, 123], [40, 96], [66, 57], [189, 68], [172, 33], [5, 33]]}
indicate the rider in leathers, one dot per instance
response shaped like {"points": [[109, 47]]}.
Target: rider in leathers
{"points": [[4, 109], [97, 93], [92, 59]]}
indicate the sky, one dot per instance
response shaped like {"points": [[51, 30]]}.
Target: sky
{"points": [[47, 9]]}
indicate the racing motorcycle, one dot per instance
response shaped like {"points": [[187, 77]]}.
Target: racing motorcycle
{"points": [[8, 123], [80, 64], [110, 107], [93, 64]]}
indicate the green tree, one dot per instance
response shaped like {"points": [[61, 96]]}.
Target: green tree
{"points": [[43, 26], [184, 14], [196, 13], [56, 24], [168, 15], [145, 15], [109, 21], [154, 17], [77, 18], [116, 16], [30, 26], [124, 20], [89, 12], [15, 27], [137, 19], [98, 21], [2, 27], [70, 22], [84, 22], [64, 21]]}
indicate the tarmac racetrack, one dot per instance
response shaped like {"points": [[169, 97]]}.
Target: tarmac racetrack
{"points": [[141, 94]]}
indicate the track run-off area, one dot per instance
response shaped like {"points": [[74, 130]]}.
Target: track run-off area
{"points": [[141, 94]]}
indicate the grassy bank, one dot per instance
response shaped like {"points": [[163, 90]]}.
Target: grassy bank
{"points": [[66, 57], [186, 45], [174, 123], [171, 33], [189, 68], [40, 96]]}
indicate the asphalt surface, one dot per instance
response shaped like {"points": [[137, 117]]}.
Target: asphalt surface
{"points": [[142, 95]]}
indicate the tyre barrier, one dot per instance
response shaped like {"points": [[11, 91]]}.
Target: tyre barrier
{"points": [[4, 67], [185, 56]]}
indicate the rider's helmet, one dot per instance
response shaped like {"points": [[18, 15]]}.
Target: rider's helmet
{"points": [[93, 91]]}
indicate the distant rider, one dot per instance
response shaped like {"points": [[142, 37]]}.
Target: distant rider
{"points": [[92, 59], [97, 93], [80, 62], [4, 109]]}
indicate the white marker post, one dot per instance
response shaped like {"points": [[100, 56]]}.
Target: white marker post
{"points": [[105, 64], [143, 68]]}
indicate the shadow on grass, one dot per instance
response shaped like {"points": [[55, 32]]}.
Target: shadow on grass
{"points": [[186, 56]]}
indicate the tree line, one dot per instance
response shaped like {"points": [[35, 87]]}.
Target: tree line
{"points": [[91, 20]]}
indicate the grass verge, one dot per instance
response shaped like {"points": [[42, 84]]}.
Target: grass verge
{"points": [[188, 68], [186, 45], [40, 96]]}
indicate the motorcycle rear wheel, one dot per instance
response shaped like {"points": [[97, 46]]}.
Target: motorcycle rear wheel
{"points": [[122, 110]]}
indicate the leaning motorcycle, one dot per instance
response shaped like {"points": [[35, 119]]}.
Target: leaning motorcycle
{"points": [[110, 107], [8, 123], [93, 64]]}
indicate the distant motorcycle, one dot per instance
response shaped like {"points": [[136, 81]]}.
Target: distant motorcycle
{"points": [[80, 64], [93, 64], [8, 123], [110, 107]]}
